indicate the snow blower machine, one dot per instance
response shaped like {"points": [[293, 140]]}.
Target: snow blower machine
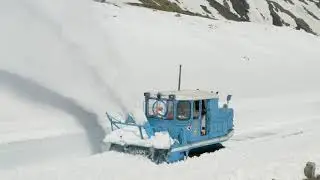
{"points": [[172, 125]]}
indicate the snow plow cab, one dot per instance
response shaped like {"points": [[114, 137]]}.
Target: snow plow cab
{"points": [[172, 124]]}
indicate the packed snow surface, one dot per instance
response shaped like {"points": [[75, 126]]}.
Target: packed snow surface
{"points": [[63, 64]]}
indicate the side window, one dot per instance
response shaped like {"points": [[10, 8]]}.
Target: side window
{"points": [[183, 110], [196, 109], [170, 110], [204, 108]]}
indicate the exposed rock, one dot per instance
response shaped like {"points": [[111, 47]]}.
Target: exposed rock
{"points": [[301, 24], [311, 14], [318, 4], [205, 8], [276, 19], [225, 12], [166, 5], [226, 4], [309, 170], [289, 1], [241, 7], [304, 2]]}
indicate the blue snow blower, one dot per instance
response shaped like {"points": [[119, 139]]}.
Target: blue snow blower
{"points": [[173, 124]]}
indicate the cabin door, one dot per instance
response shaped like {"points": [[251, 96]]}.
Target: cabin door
{"points": [[199, 119], [203, 118]]}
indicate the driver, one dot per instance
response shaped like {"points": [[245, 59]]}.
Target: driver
{"points": [[159, 110]]}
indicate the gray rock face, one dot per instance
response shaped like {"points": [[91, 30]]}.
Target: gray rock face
{"points": [[309, 170]]}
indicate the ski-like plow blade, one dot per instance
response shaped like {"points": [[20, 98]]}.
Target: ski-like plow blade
{"points": [[135, 138]]}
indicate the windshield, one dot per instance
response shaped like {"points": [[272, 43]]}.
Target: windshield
{"points": [[162, 109]]}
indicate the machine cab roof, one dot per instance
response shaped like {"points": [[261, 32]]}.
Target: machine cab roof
{"points": [[181, 95]]}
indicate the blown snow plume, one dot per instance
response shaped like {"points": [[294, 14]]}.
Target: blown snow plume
{"points": [[59, 33], [91, 44], [59, 48], [35, 92]]}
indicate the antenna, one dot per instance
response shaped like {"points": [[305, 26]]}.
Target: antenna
{"points": [[179, 78]]}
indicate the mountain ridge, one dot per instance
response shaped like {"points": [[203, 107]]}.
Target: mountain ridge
{"points": [[297, 14]]}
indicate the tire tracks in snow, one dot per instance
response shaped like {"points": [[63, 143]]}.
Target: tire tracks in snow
{"points": [[286, 130], [266, 134]]}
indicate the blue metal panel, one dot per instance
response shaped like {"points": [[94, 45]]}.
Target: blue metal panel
{"points": [[218, 122], [195, 129], [175, 156], [214, 123]]}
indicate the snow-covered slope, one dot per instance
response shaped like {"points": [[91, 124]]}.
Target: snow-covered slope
{"points": [[298, 14], [65, 65]]}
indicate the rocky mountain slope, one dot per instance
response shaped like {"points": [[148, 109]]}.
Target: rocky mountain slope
{"points": [[298, 14]]}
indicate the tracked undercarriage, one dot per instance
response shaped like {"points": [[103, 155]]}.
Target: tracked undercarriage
{"points": [[157, 156]]}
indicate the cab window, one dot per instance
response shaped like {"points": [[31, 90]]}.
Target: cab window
{"points": [[170, 115], [183, 110], [160, 109], [196, 109]]}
